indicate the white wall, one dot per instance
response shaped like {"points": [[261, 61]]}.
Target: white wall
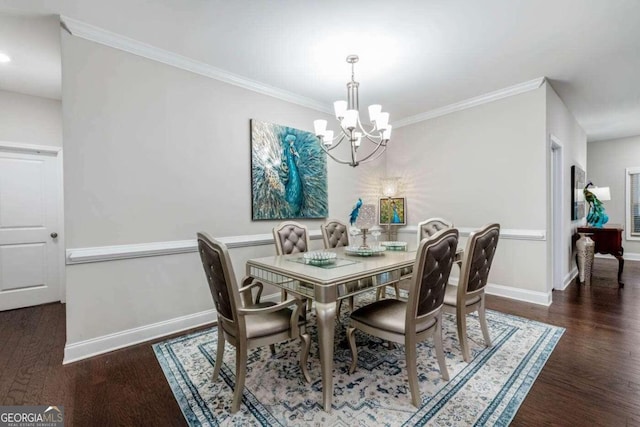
{"points": [[562, 125], [154, 153], [30, 119], [607, 162], [480, 165]]}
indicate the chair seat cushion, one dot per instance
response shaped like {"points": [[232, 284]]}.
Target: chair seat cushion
{"points": [[388, 315], [260, 325], [451, 296]]}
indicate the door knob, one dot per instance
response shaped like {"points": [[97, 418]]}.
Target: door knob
{"points": [[54, 235]]}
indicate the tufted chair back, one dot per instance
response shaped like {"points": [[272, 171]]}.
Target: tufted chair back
{"points": [[219, 272], [478, 256], [431, 226], [431, 271], [334, 234], [291, 238]]}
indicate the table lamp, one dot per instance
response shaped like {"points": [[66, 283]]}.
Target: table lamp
{"points": [[366, 219]]}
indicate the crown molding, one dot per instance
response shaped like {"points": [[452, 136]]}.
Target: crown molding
{"points": [[472, 102], [95, 34], [99, 35]]}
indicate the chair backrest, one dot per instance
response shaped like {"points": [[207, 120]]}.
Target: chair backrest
{"points": [[431, 271], [219, 271], [334, 234], [291, 237], [478, 256], [431, 226]]}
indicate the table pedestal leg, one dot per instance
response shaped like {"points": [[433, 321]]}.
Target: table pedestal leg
{"points": [[326, 315]]}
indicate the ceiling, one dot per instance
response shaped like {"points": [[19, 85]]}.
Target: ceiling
{"points": [[415, 56]]}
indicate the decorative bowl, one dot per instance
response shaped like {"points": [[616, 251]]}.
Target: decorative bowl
{"points": [[395, 246], [319, 257], [359, 251]]}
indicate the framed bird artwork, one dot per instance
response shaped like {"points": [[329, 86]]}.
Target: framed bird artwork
{"points": [[288, 173], [393, 211]]}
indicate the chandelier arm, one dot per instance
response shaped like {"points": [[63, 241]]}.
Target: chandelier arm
{"points": [[369, 158], [337, 159], [333, 146], [371, 135], [373, 141]]}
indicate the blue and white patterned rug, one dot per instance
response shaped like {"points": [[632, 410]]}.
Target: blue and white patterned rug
{"points": [[487, 391]]}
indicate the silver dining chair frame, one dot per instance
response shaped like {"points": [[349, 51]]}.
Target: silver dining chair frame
{"points": [[431, 226], [240, 317], [470, 291], [418, 324]]}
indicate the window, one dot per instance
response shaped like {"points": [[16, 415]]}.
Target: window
{"points": [[633, 203]]}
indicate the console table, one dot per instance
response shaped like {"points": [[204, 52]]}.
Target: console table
{"points": [[608, 240]]}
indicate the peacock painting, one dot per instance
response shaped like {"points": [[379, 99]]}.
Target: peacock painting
{"points": [[288, 173]]}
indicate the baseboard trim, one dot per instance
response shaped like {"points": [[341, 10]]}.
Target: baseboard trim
{"points": [[533, 297], [505, 233], [119, 252], [524, 295], [569, 278], [92, 347], [95, 346]]}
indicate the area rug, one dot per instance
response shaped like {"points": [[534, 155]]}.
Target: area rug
{"points": [[486, 391]]}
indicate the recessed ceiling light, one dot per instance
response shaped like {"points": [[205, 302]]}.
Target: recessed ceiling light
{"points": [[4, 58]]}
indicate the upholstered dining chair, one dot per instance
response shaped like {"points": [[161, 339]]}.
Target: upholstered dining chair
{"points": [[247, 326], [431, 226], [291, 237], [468, 295], [335, 234], [409, 322]]}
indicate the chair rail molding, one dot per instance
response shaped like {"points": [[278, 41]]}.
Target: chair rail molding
{"points": [[29, 148], [120, 252], [505, 233]]}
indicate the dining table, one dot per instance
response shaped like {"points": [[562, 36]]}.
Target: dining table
{"points": [[350, 273]]}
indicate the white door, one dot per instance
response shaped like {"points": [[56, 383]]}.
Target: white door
{"points": [[29, 247]]}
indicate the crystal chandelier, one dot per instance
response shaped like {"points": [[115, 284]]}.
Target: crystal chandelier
{"points": [[352, 129]]}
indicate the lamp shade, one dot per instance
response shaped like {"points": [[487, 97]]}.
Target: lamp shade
{"points": [[602, 193], [390, 186]]}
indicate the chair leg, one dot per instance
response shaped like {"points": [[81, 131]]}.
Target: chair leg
{"points": [[351, 303], [304, 354], [354, 351], [483, 324], [437, 338], [461, 321], [241, 373], [412, 370], [396, 287], [283, 294], [219, 354]]}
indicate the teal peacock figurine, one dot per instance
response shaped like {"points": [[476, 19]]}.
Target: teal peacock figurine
{"points": [[597, 216], [354, 213]]}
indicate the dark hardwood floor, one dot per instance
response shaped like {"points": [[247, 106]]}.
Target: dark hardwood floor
{"points": [[592, 377]]}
